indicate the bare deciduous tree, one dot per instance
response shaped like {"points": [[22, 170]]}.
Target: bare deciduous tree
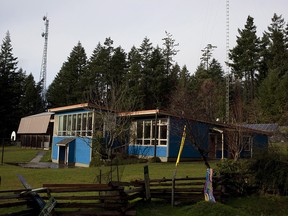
{"points": [[115, 127]]}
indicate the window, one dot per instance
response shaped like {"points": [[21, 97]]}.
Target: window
{"points": [[60, 127], [75, 124], [246, 141], [74, 120], [144, 132]]}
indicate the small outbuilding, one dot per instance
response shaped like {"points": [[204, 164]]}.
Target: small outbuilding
{"points": [[72, 134], [35, 131]]}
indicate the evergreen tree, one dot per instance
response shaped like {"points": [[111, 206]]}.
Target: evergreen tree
{"points": [[106, 69], [11, 81], [118, 67], [206, 55], [176, 76], [264, 55], [245, 58], [31, 101], [169, 51], [207, 87], [156, 96], [145, 52], [66, 88], [273, 90], [93, 78], [134, 77]]}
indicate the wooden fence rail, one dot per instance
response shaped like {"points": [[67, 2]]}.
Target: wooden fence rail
{"points": [[115, 198]]}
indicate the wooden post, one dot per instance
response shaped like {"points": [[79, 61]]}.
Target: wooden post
{"points": [[147, 182], [2, 159], [100, 172], [117, 173], [173, 188]]}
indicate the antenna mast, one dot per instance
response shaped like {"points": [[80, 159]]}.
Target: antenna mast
{"points": [[227, 63], [44, 61]]}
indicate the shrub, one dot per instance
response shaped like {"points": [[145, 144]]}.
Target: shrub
{"points": [[234, 177], [155, 160], [270, 171]]}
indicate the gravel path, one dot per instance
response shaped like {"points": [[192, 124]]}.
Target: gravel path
{"points": [[38, 157]]}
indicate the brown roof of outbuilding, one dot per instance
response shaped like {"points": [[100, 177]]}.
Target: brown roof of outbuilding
{"points": [[35, 124]]}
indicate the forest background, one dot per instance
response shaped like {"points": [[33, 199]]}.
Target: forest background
{"points": [[147, 77]]}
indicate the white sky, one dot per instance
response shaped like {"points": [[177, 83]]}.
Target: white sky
{"points": [[193, 24]]}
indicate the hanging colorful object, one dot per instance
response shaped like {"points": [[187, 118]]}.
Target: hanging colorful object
{"points": [[208, 188]]}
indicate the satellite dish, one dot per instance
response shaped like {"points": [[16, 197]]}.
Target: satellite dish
{"points": [[13, 136]]}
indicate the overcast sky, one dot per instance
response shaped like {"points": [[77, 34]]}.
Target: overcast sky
{"points": [[193, 24]]}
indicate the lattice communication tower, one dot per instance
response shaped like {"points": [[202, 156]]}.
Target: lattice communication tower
{"points": [[227, 63], [44, 61]]}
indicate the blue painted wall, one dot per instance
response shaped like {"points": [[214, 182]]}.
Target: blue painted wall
{"points": [[147, 150], [260, 141], [83, 150], [176, 127], [176, 130], [72, 156], [79, 149]]}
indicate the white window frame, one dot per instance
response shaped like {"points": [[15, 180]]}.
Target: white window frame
{"points": [[66, 125], [148, 141]]}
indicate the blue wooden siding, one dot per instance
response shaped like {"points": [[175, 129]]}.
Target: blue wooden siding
{"points": [[260, 141], [83, 150], [219, 154], [147, 150], [176, 130]]}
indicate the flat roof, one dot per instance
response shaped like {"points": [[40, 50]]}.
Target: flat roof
{"points": [[143, 113], [70, 107]]}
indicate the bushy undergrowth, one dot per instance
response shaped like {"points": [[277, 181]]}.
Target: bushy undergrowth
{"points": [[235, 177], [266, 173], [118, 159], [270, 172]]}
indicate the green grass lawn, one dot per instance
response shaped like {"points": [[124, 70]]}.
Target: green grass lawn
{"points": [[265, 205], [37, 177]]}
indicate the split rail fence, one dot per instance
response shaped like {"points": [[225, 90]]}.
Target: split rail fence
{"points": [[115, 198]]}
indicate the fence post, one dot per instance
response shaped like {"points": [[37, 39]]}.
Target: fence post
{"points": [[173, 191], [2, 158], [147, 182]]}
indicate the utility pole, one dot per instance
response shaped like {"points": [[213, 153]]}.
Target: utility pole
{"points": [[44, 62], [227, 63]]}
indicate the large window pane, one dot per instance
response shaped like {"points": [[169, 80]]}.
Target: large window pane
{"points": [[140, 129], [60, 126], [89, 124], [84, 124], [64, 125], [147, 129], [64, 122], [69, 124], [163, 132], [74, 122], [79, 121]]}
